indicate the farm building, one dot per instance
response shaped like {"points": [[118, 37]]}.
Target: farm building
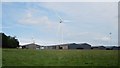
{"points": [[98, 48], [31, 46], [82, 46], [79, 46], [42, 47], [109, 47], [69, 46], [115, 48], [49, 47], [61, 46]]}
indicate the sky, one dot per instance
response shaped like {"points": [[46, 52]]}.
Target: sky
{"points": [[60, 0], [83, 22]]}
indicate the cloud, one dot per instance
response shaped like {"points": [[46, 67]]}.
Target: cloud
{"points": [[90, 37], [107, 39], [88, 12], [30, 19], [35, 21]]}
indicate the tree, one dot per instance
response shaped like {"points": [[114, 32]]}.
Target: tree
{"points": [[4, 40], [9, 42]]}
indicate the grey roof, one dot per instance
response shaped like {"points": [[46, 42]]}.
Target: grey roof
{"points": [[71, 44], [31, 44]]}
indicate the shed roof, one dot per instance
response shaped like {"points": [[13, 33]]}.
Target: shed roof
{"points": [[31, 44], [71, 44]]}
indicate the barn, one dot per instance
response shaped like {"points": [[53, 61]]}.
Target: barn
{"points": [[49, 47], [69, 46], [31, 46], [115, 48], [79, 46], [60, 46], [98, 48]]}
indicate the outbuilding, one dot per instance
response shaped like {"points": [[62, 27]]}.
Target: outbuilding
{"points": [[98, 48], [31, 46], [70, 46]]}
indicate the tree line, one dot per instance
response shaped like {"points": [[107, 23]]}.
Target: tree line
{"points": [[8, 41]]}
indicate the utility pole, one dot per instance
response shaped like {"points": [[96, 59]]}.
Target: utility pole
{"points": [[33, 41], [110, 38]]}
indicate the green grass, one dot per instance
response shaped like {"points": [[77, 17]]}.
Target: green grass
{"points": [[24, 57], [0, 57]]}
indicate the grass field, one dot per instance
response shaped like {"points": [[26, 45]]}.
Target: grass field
{"points": [[24, 57], [0, 57]]}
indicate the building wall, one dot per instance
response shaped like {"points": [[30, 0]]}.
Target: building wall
{"points": [[95, 48], [85, 46], [49, 47], [115, 48], [57, 47], [42, 47], [31, 46], [75, 46], [102, 48], [99, 48], [64, 47], [69, 46]]}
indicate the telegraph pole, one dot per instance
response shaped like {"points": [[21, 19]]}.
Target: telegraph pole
{"points": [[110, 38]]}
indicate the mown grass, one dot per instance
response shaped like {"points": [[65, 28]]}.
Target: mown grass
{"points": [[26, 57], [0, 57]]}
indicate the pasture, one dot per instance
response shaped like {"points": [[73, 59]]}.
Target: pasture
{"points": [[26, 57]]}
